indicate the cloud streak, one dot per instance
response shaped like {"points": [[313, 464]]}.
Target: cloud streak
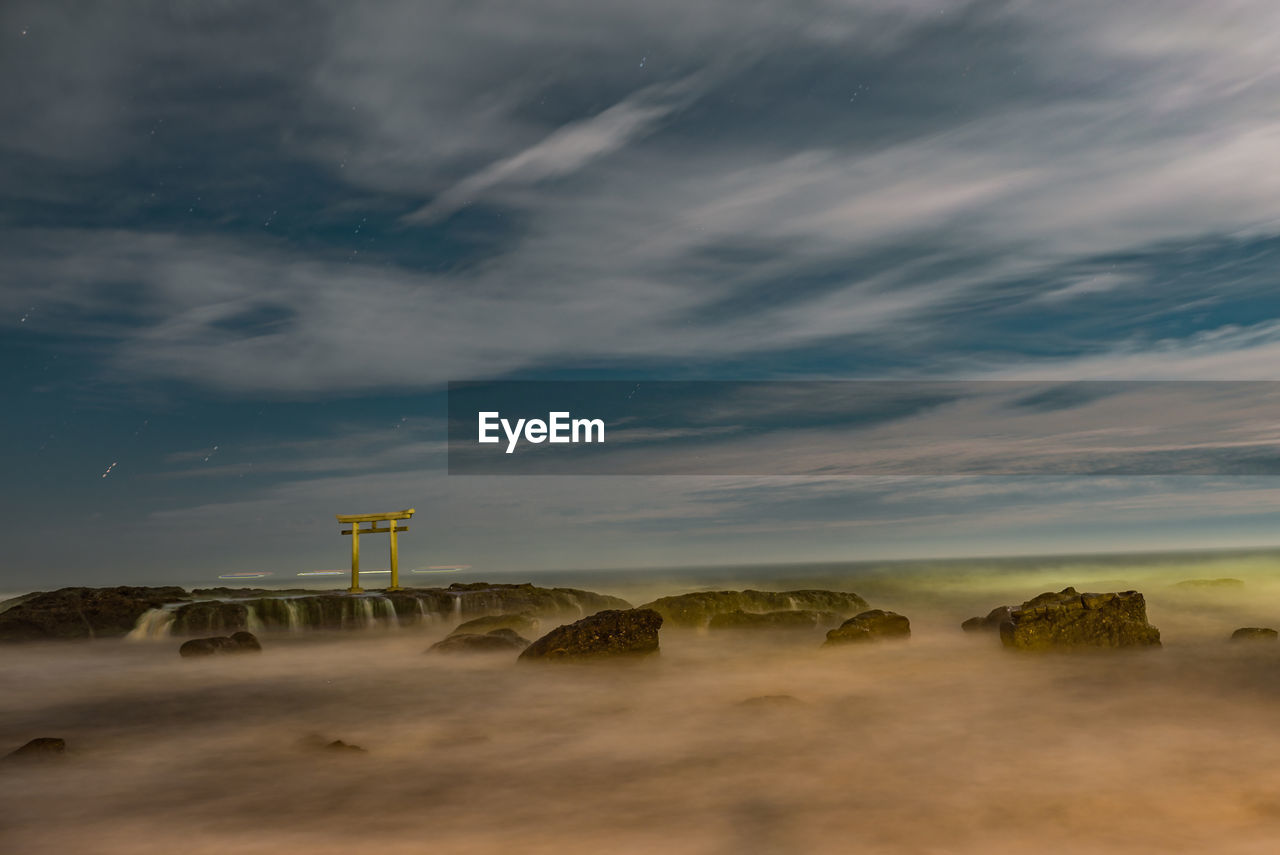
{"points": [[567, 149]]}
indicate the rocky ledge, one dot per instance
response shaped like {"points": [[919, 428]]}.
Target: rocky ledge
{"points": [[1069, 619], [84, 613], [697, 609], [71, 613]]}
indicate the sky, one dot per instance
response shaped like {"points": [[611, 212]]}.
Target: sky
{"points": [[245, 246]]}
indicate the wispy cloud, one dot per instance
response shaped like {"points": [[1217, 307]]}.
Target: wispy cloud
{"points": [[568, 148]]}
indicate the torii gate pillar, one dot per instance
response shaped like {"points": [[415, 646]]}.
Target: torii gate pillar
{"points": [[392, 529]]}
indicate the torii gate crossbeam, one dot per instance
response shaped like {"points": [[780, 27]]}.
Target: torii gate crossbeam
{"points": [[392, 529]]}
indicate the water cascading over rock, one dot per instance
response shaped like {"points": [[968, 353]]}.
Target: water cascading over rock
{"points": [[259, 610]]}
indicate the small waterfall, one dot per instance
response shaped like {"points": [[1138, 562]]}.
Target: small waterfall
{"points": [[423, 617], [292, 615], [792, 601], [152, 625], [389, 613], [457, 607], [251, 620], [366, 611]]}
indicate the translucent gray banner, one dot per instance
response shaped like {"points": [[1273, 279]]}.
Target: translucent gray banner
{"points": [[864, 427]]}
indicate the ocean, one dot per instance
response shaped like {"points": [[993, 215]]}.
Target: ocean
{"points": [[722, 743]]}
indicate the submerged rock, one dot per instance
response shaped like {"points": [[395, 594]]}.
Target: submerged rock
{"points": [[246, 641], [697, 609], [1254, 633], [316, 742], [1070, 619], [1210, 583], [339, 745], [74, 613], [991, 622], [797, 619], [496, 641], [522, 623], [237, 642], [872, 625], [40, 748], [615, 632]]}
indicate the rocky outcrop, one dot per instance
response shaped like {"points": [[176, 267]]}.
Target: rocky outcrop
{"points": [[873, 625], [522, 624], [71, 613], [798, 619], [316, 742], [495, 641], [75, 613], [483, 598], [328, 611], [611, 633], [1069, 619], [697, 609], [1254, 633], [237, 642], [990, 623], [40, 748], [339, 745], [222, 592]]}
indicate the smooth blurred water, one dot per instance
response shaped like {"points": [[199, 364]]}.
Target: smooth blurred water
{"points": [[945, 743]]}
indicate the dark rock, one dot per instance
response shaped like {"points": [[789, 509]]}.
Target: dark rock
{"points": [[1254, 633], [339, 745], [74, 613], [316, 742], [1070, 619], [205, 646], [41, 748], [510, 635], [697, 609], [631, 632], [239, 642], [522, 623], [991, 622], [5, 605], [209, 616], [871, 625], [246, 641], [498, 641], [798, 619]]}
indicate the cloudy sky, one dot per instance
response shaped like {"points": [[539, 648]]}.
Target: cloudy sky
{"points": [[243, 246]]}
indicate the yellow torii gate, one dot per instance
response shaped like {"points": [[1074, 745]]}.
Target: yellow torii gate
{"points": [[355, 531]]}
